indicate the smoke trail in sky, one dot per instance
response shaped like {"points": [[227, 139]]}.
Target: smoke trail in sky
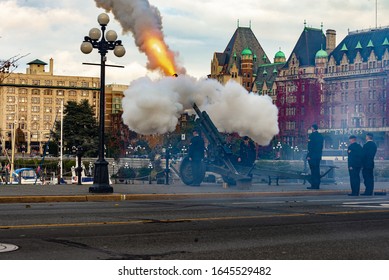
{"points": [[152, 107], [145, 23]]}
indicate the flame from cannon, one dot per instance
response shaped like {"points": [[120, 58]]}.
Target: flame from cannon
{"points": [[158, 52], [145, 23]]}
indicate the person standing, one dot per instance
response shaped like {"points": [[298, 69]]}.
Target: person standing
{"points": [[354, 163], [369, 152], [196, 155], [315, 150], [247, 152]]}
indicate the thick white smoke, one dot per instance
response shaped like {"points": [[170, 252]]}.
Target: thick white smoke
{"points": [[143, 21], [151, 107]]}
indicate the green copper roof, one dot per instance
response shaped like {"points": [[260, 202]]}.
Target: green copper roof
{"points": [[359, 46], [264, 72], [37, 61], [321, 54], [247, 51], [279, 54], [234, 54], [386, 42], [370, 45], [344, 47], [275, 70]]}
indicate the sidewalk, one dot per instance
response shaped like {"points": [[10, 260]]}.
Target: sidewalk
{"points": [[145, 191]]}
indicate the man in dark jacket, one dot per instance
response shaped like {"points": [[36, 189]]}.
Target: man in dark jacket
{"points": [[247, 153], [196, 155], [369, 151], [354, 165], [315, 150]]}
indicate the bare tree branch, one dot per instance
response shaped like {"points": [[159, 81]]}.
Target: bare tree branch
{"points": [[9, 65]]}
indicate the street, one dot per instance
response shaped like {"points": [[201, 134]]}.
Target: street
{"points": [[277, 227]]}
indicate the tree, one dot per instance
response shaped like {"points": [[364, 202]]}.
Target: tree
{"points": [[79, 128]]}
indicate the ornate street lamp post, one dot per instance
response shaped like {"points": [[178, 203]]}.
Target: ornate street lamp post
{"points": [[107, 42]]}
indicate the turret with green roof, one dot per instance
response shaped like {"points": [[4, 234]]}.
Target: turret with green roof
{"points": [[279, 57], [247, 51], [321, 54]]}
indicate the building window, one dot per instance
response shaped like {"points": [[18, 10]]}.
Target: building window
{"points": [[60, 83], [35, 109], [48, 82], [23, 91], [23, 99], [84, 93], [48, 100], [84, 84], [60, 92], [48, 92], [10, 108], [36, 92], [36, 82], [11, 99]]}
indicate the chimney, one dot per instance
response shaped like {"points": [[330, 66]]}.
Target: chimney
{"points": [[330, 40], [51, 67]]}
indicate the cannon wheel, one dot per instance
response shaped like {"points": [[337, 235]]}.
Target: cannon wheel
{"points": [[186, 172]]}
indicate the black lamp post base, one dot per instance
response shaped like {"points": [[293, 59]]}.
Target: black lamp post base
{"points": [[101, 178], [101, 189]]}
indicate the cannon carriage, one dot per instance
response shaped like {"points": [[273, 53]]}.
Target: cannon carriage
{"points": [[219, 161]]}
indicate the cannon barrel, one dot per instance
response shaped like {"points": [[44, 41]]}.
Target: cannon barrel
{"points": [[219, 154], [211, 131]]}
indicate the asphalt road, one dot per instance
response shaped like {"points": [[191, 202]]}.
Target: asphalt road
{"points": [[309, 227]]}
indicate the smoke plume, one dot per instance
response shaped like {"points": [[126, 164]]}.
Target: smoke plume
{"points": [[145, 23], [152, 107]]}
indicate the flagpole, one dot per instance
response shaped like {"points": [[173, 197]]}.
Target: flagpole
{"points": [[13, 152], [61, 146]]}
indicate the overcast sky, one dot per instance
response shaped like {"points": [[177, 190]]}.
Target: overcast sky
{"points": [[196, 29]]}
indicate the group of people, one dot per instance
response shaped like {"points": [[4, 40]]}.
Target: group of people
{"points": [[359, 158]]}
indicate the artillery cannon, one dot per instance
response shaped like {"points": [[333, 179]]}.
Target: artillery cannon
{"points": [[219, 161], [218, 158]]}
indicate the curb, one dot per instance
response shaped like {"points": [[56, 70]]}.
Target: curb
{"points": [[139, 197]]}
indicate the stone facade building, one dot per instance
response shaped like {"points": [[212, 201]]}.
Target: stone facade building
{"points": [[31, 103], [356, 87]]}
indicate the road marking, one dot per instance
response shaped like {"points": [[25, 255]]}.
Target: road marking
{"points": [[379, 203], [4, 248], [150, 221]]}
